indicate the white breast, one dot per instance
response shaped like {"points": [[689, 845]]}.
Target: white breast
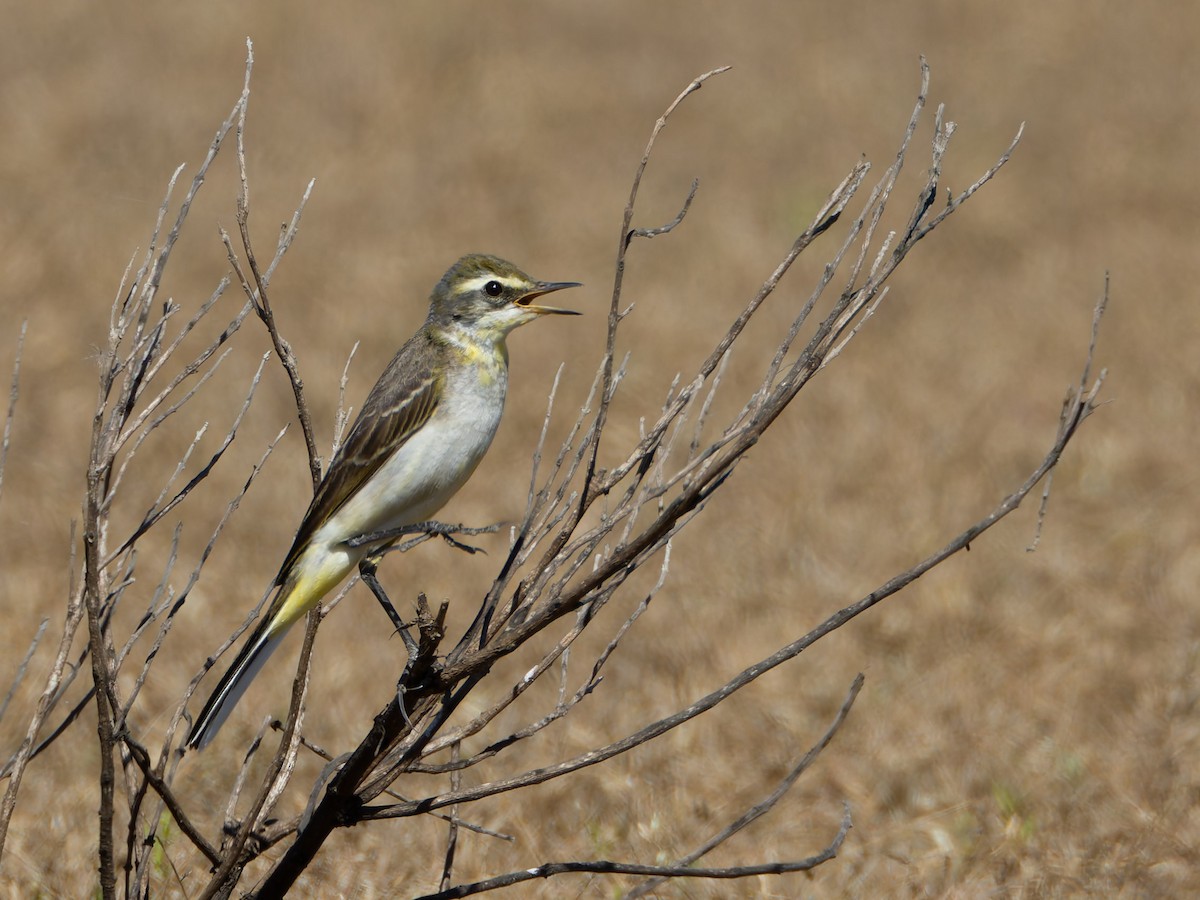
{"points": [[432, 465]]}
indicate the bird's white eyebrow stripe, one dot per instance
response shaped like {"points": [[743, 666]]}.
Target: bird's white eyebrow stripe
{"points": [[475, 284]]}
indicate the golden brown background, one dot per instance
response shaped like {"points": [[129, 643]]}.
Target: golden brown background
{"points": [[1029, 724]]}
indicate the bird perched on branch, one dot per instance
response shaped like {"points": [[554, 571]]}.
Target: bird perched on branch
{"points": [[422, 431]]}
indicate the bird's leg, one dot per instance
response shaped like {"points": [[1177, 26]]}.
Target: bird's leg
{"points": [[366, 571], [426, 530], [446, 532]]}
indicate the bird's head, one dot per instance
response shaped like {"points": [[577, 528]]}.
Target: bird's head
{"points": [[490, 297]]}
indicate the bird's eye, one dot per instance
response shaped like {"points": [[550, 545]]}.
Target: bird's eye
{"points": [[493, 288]]}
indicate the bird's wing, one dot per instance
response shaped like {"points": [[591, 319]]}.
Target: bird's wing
{"points": [[392, 413]]}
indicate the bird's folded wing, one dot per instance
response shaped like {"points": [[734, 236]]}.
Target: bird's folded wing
{"points": [[388, 419]]}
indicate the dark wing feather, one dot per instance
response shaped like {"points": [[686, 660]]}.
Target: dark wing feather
{"points": [[398, 405]]}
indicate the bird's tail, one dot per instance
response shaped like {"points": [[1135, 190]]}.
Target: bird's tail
{"points": [[309, 579], [233, 683]]}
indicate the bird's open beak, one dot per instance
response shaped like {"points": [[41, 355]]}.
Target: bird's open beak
{"points": [[547, 287]]}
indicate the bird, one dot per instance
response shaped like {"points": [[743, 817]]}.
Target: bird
{"points": [[422, 430]]}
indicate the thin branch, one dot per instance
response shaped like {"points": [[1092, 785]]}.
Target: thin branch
{"points": [[955, 202], [604, 867], [767, 803], [258, 293], [15, 769], [343, 413], [13, 392], [670, 226], [23, 667], [531, 501], [452, 832], [591, 444], [160, 786], [230, 508], [156, 513], [130, 314], [1041, 515], [278, 771], [134, 424]]}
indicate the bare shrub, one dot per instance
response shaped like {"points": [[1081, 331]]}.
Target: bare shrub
{"points": [[585, 532]]}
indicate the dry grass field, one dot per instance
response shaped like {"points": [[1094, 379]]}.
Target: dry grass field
{"points": [[1030, 722]]}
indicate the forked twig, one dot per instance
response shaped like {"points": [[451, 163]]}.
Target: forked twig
{"points": [[605, 867], [767, 803], [258, 292]]}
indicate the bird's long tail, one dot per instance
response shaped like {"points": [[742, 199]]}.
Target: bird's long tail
{"points": [[233, 683], [309, 578]]}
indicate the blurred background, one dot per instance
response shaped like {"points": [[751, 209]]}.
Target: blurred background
{"points": [[1029, 723]]}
